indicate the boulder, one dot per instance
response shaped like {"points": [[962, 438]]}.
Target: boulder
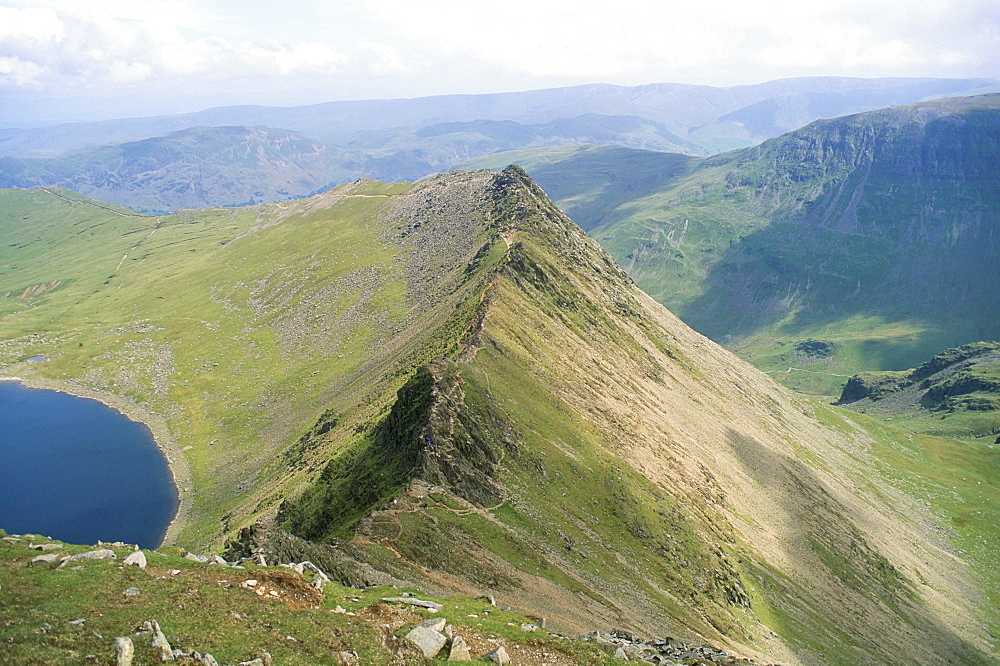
{"points": [[158, 641], [434, 624], [124, 651], [459, 650], [132, 592], [428, 641], [498, 656], [99, 554], [42, 560], [138, 558]]}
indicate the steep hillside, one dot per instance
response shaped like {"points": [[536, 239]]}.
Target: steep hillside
{"points": [[454, 377], [863, 242]]}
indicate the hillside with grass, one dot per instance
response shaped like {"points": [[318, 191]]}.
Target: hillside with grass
{"points": [[866, 242], [448, 384]]}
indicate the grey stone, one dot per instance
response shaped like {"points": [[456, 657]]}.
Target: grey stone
{"points": [[158, 641], [428, 641], [345, 658], [488, 598], [138, 558], [124, 651], [41, 560], [215, 559], [621, 654], [459, 650], [263, 660], [529, 627], [196, 558], [99, 554], [498, 656], [413, 601], [78, 622], [434, 624], [132, 592], [45, 547]]}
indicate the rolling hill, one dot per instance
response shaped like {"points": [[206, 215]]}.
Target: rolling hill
{"points": [[243, 155], [452, 384]]}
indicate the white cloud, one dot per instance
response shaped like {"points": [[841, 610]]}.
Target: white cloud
{"points": [[388, 59], [314, 50], [111, 43]]}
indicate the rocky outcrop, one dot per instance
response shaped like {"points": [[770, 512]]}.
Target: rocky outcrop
{"points": [[965, 378]]}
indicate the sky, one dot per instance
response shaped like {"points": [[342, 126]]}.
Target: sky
{"points": [[89, 59]]}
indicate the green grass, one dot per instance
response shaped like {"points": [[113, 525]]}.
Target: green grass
{"points": [[955, 478], [240, 339], [205, 608]]}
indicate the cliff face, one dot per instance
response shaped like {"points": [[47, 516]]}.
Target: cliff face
{"points": [[890, 212]]}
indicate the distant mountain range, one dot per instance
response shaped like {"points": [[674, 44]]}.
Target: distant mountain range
{"points": [[259, 154]]}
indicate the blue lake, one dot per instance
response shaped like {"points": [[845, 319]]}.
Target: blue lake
{"points": [[76, 470]]}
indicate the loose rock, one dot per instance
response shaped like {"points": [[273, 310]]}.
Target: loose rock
{"points": [[138, 558], [41, 560], [459, 650], [99, 554], [158, 641], [433, 605], [124, 651], [427, 640], [498, 656], [434, 624]]}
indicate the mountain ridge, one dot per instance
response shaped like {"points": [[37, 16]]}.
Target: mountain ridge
{"points": [[828, 234], [644, 476]]}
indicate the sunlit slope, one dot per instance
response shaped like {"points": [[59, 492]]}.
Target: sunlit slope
{"points": [[589, 457], [240, 327], [568, 444], [873, 235]]}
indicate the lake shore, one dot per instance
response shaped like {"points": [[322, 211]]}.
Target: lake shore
{"points": [[180, 471]]}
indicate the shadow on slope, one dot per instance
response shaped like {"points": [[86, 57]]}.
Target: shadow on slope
{"points": [[858, 580]]}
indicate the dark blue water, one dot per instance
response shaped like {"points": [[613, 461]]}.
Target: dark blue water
{"points": [[76, 470]]}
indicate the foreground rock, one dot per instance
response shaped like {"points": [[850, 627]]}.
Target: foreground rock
{"points": [[428, 640], [666, 651], [138, 558], [124, 651], [99, 554]]}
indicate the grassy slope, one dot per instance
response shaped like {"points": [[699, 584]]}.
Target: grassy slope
{"points": [[205, 608], [655, 479], [238, 340], [659, 478]]}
